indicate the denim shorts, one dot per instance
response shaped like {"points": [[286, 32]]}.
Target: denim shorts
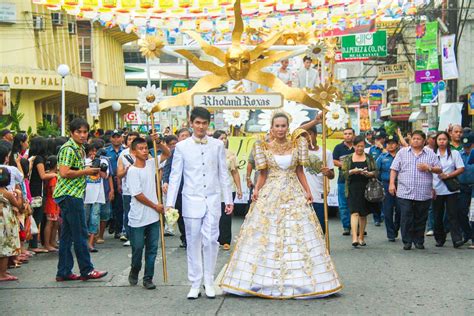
{"points": [[105, 212], [92, 217]]}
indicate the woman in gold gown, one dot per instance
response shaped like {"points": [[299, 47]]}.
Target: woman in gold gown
{"points": [[280, 252]]}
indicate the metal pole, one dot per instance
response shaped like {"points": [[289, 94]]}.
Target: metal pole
{"points": [[117, 120], [160, 201], [63, 108]]}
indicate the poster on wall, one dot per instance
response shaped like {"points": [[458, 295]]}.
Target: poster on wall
{"points": [[448, 57], [5, 105], [427, 66]]}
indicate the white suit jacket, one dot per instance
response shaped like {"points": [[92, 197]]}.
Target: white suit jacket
{"points": [[307, 78], [206, 179]]}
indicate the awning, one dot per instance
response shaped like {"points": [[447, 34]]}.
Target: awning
{"points": [[417, 115]]}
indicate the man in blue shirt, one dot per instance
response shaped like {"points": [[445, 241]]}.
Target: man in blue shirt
{"points": [[340, 152], [467, 180], [377, 149], [389, 205], [113, 152]]}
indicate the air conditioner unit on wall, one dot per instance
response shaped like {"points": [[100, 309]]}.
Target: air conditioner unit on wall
{"points": [[71, 27], [57, 18], [38, 23]]}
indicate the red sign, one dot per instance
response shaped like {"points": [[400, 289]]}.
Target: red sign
{"points": [[339, 58]]}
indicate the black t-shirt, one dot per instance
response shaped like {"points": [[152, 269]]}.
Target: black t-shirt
{"points": [[36, 184], [341, 151]]}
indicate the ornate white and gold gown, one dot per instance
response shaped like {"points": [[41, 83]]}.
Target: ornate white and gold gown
{"points": [[280, 252]]}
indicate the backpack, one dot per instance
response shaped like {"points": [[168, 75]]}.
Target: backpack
{"points": [[374, 191]]}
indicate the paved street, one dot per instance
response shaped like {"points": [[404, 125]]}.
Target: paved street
{"points": [[380, 279]]}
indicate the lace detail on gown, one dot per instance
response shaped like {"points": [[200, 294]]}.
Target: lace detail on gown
{"points": [[280, 251]]}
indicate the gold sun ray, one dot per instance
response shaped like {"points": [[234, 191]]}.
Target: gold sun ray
{"points": [[238, 25], [202, 64], [206, 83], [239, 63], [292, 94], [208, 49], [257, 51]]}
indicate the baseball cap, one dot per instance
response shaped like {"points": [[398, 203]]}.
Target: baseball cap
{"points": [[391, 138], [5, 132], [380, 134], [468, 140], [116, 132]]}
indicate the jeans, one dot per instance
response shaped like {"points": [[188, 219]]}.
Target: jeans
{"points": [[145, 237], [413, 216], [127, 199], [446, 204], [93, 217], [344, 214], [73, 230], [117, 209], [319, 209], [464, 205], [225, 225], [105, 212], [430, 222], [378, 215], [391, 213]]}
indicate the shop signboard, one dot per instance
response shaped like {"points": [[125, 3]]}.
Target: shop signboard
{"points": [[427, 66], [365, 45], [470, 100], [8, 12], [339, 59], [249, 101], [178, 87], [400, 111], [395, 71]]}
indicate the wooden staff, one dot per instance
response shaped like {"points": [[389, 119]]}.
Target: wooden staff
{"points": [[325, 184], [160, 201]]}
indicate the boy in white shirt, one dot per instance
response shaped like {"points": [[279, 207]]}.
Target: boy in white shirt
{"points": [[143, 217], [95, 194]]}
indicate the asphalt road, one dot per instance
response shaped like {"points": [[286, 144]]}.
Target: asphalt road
{"points": [[379, 279]]}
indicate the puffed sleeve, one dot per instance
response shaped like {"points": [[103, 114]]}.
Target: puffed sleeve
{"points": [[303, 153], [259, 156]]}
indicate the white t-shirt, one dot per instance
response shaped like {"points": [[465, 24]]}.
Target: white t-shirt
{"points": [[449, 165], [125, 163], [15, 177], [316, 180], [142, 180], [95, 186]]}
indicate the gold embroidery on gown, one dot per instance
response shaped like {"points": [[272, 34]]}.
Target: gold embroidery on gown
{"points": [[280, 251]]}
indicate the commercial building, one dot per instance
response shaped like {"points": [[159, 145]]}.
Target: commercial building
{"points": [[35, 41]]}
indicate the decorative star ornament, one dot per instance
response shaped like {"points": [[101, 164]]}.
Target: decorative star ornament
{"points": [[239, 63]]}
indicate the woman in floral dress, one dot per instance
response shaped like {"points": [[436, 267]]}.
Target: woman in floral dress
{"points": [[281, 252], [9, 228]]}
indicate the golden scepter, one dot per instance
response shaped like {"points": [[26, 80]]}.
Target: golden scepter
{"points": [[150, 47]]}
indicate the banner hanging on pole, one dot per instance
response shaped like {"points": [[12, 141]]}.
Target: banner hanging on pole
{"points": [[448, 57], [427, 66]]}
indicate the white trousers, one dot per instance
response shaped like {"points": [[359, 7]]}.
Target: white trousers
{"points": [[201, 239]]}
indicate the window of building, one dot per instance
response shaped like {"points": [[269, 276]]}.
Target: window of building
{"points": [[85, 49]]}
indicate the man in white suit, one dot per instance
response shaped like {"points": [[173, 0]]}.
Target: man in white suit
{"points": [[201, 161], [308, 77]]}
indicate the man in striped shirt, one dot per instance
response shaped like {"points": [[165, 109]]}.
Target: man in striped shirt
{"points": [[412, 170]]}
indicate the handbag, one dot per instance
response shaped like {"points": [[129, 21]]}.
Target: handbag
{"points": [[36, 201], [34, 228], [452, 184], [374, 191]]}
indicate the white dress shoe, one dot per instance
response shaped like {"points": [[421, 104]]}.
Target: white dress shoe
{"points": [[194, 294], [210, 291]]}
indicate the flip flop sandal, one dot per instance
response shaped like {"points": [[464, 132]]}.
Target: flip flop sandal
{"points": [[9, 278]]}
